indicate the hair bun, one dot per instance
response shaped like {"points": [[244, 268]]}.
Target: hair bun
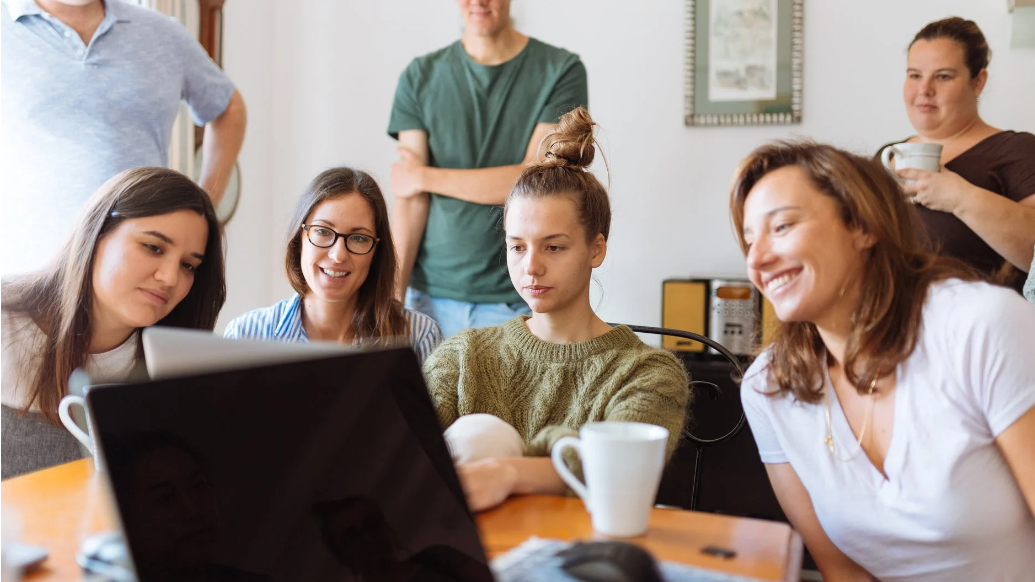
{"points": [[571, 144]]}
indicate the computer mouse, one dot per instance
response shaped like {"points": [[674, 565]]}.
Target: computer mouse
{"points": [[609, 562]]}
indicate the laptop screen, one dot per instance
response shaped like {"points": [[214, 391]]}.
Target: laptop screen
{"points": [[330, 469]]}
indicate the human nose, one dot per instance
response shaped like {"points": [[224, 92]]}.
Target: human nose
{"points": [[337, 252], [926, 86], [168, 273], [534, 265], [759, 253]]}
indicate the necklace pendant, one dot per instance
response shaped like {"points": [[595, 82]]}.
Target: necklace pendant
{"points": [[830, 443]]}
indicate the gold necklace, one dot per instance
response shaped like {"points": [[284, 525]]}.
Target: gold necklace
{"points": [[862, 433]]}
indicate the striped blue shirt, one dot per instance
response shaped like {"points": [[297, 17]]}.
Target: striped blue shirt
{"points": [[283, 322]]}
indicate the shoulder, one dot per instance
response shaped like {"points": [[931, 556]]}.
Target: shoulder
{"points": [[552, 54], [420, 324], [953, 304], [425, 65], [18, 330], [262, 323], [755, 385]]}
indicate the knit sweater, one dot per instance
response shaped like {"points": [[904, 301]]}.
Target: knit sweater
{"points": [[547, 391]]}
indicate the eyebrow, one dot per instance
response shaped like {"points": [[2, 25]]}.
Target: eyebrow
{"points": [[331, 224], [548, 237], [949, 69], [164, 238]]}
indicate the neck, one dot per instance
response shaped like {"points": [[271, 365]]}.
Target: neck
{"points": [[943, 137], [328, 321], [495, 49], [568, 326], [107, 338], [73, 15], [836, 325]]}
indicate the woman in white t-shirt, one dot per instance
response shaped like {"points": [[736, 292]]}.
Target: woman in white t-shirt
{"points": [[146, 250], [895, 404]]}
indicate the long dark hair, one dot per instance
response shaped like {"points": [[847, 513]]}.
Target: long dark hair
{"points": [[379, 315], [59, 298], [898, 271]]}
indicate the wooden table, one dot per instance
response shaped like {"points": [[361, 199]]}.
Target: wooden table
{"points": [[60, 506]]}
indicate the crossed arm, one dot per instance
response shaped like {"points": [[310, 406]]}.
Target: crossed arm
{"points": [[412, 178]]}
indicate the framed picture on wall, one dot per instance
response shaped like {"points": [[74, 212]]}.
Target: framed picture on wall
{"points": [[743, 62]]}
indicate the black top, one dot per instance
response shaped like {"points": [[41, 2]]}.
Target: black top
{"points": [[1003, 163]]}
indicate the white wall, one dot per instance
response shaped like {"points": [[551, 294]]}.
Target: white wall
{"points": [[319, 76]]}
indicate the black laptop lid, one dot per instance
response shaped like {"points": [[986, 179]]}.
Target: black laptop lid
{"points": [[329, 469]]}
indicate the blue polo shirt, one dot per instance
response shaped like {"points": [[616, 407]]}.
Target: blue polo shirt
{"points": [[74, 114]]}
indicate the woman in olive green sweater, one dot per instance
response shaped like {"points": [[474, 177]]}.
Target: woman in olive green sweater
{"points": [[548, 374]]}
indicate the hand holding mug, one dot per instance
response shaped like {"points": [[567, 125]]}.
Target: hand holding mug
{"points": [[942, 191]]}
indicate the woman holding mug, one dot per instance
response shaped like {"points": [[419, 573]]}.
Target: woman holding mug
{"points": [[894, 406], [340, 260], [147, 250], [542, 377], [981, 206]]}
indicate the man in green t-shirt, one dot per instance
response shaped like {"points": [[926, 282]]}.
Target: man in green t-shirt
{"points": [[468, 117]]}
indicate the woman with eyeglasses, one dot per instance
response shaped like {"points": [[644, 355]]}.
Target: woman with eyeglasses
{"points": [[894, 406], [147, 250], [341, 263]]}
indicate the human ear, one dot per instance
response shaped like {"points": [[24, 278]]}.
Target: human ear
{"points": [[978, 83], [863, 240], [598, 250]]}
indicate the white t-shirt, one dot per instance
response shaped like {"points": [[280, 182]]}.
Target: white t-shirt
{"points": [[950, 508], [23, 342]]}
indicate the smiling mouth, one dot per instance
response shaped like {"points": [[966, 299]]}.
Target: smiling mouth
{"points": [[335, 274], [537, 289], [778, 282]]}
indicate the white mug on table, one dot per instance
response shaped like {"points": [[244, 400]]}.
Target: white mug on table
{"points": [[622, 463], [922, 156]]}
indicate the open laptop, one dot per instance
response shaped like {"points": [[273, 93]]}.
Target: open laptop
{"points": [[324, 469], [170, 352]]}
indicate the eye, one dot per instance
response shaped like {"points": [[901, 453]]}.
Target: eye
{"points": [[782, 227], [190, 268], [152, 248], [321, 231], [359, 238], [516, 248], [554, 248], [944, 77]]}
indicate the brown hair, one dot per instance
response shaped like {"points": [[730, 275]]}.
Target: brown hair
{"points": [[561, 170], [379, 315], [976, 53], [897, 272], [59, 298]]}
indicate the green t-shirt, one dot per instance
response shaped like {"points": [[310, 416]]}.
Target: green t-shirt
{"points": [[478, 116]]}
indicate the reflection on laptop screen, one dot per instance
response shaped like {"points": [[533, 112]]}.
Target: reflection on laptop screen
{"points": [[330, 469]]}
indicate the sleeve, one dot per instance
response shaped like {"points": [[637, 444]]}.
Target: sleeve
{"points": [[656, 392], [206, 88], [233, 329], [406, 112], [758, 410], [1018, 174], [993, 336], [442, 374], [424, 334], [569, 92]]}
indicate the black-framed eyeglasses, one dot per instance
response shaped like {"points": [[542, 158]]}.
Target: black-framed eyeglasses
{"points": [[356, 243]]}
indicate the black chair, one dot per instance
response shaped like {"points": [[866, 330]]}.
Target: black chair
{"points": [[714, 391]]}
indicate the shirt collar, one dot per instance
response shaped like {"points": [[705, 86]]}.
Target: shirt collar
{"points": [[19, 8]]}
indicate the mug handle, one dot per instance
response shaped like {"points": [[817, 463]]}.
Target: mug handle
{"points": [[66, 419], [885, 157], [556, 455]]}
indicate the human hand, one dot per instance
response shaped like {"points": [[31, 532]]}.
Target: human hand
{"points": [[487, 482], [943, 191], [406, 175]]}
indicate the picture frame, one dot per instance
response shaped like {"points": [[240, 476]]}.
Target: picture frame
{"points": [[744, 62]]}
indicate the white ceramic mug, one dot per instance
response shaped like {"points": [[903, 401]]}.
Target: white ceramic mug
{"points": [[70, 424], [922, 156], [622, 463]]}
